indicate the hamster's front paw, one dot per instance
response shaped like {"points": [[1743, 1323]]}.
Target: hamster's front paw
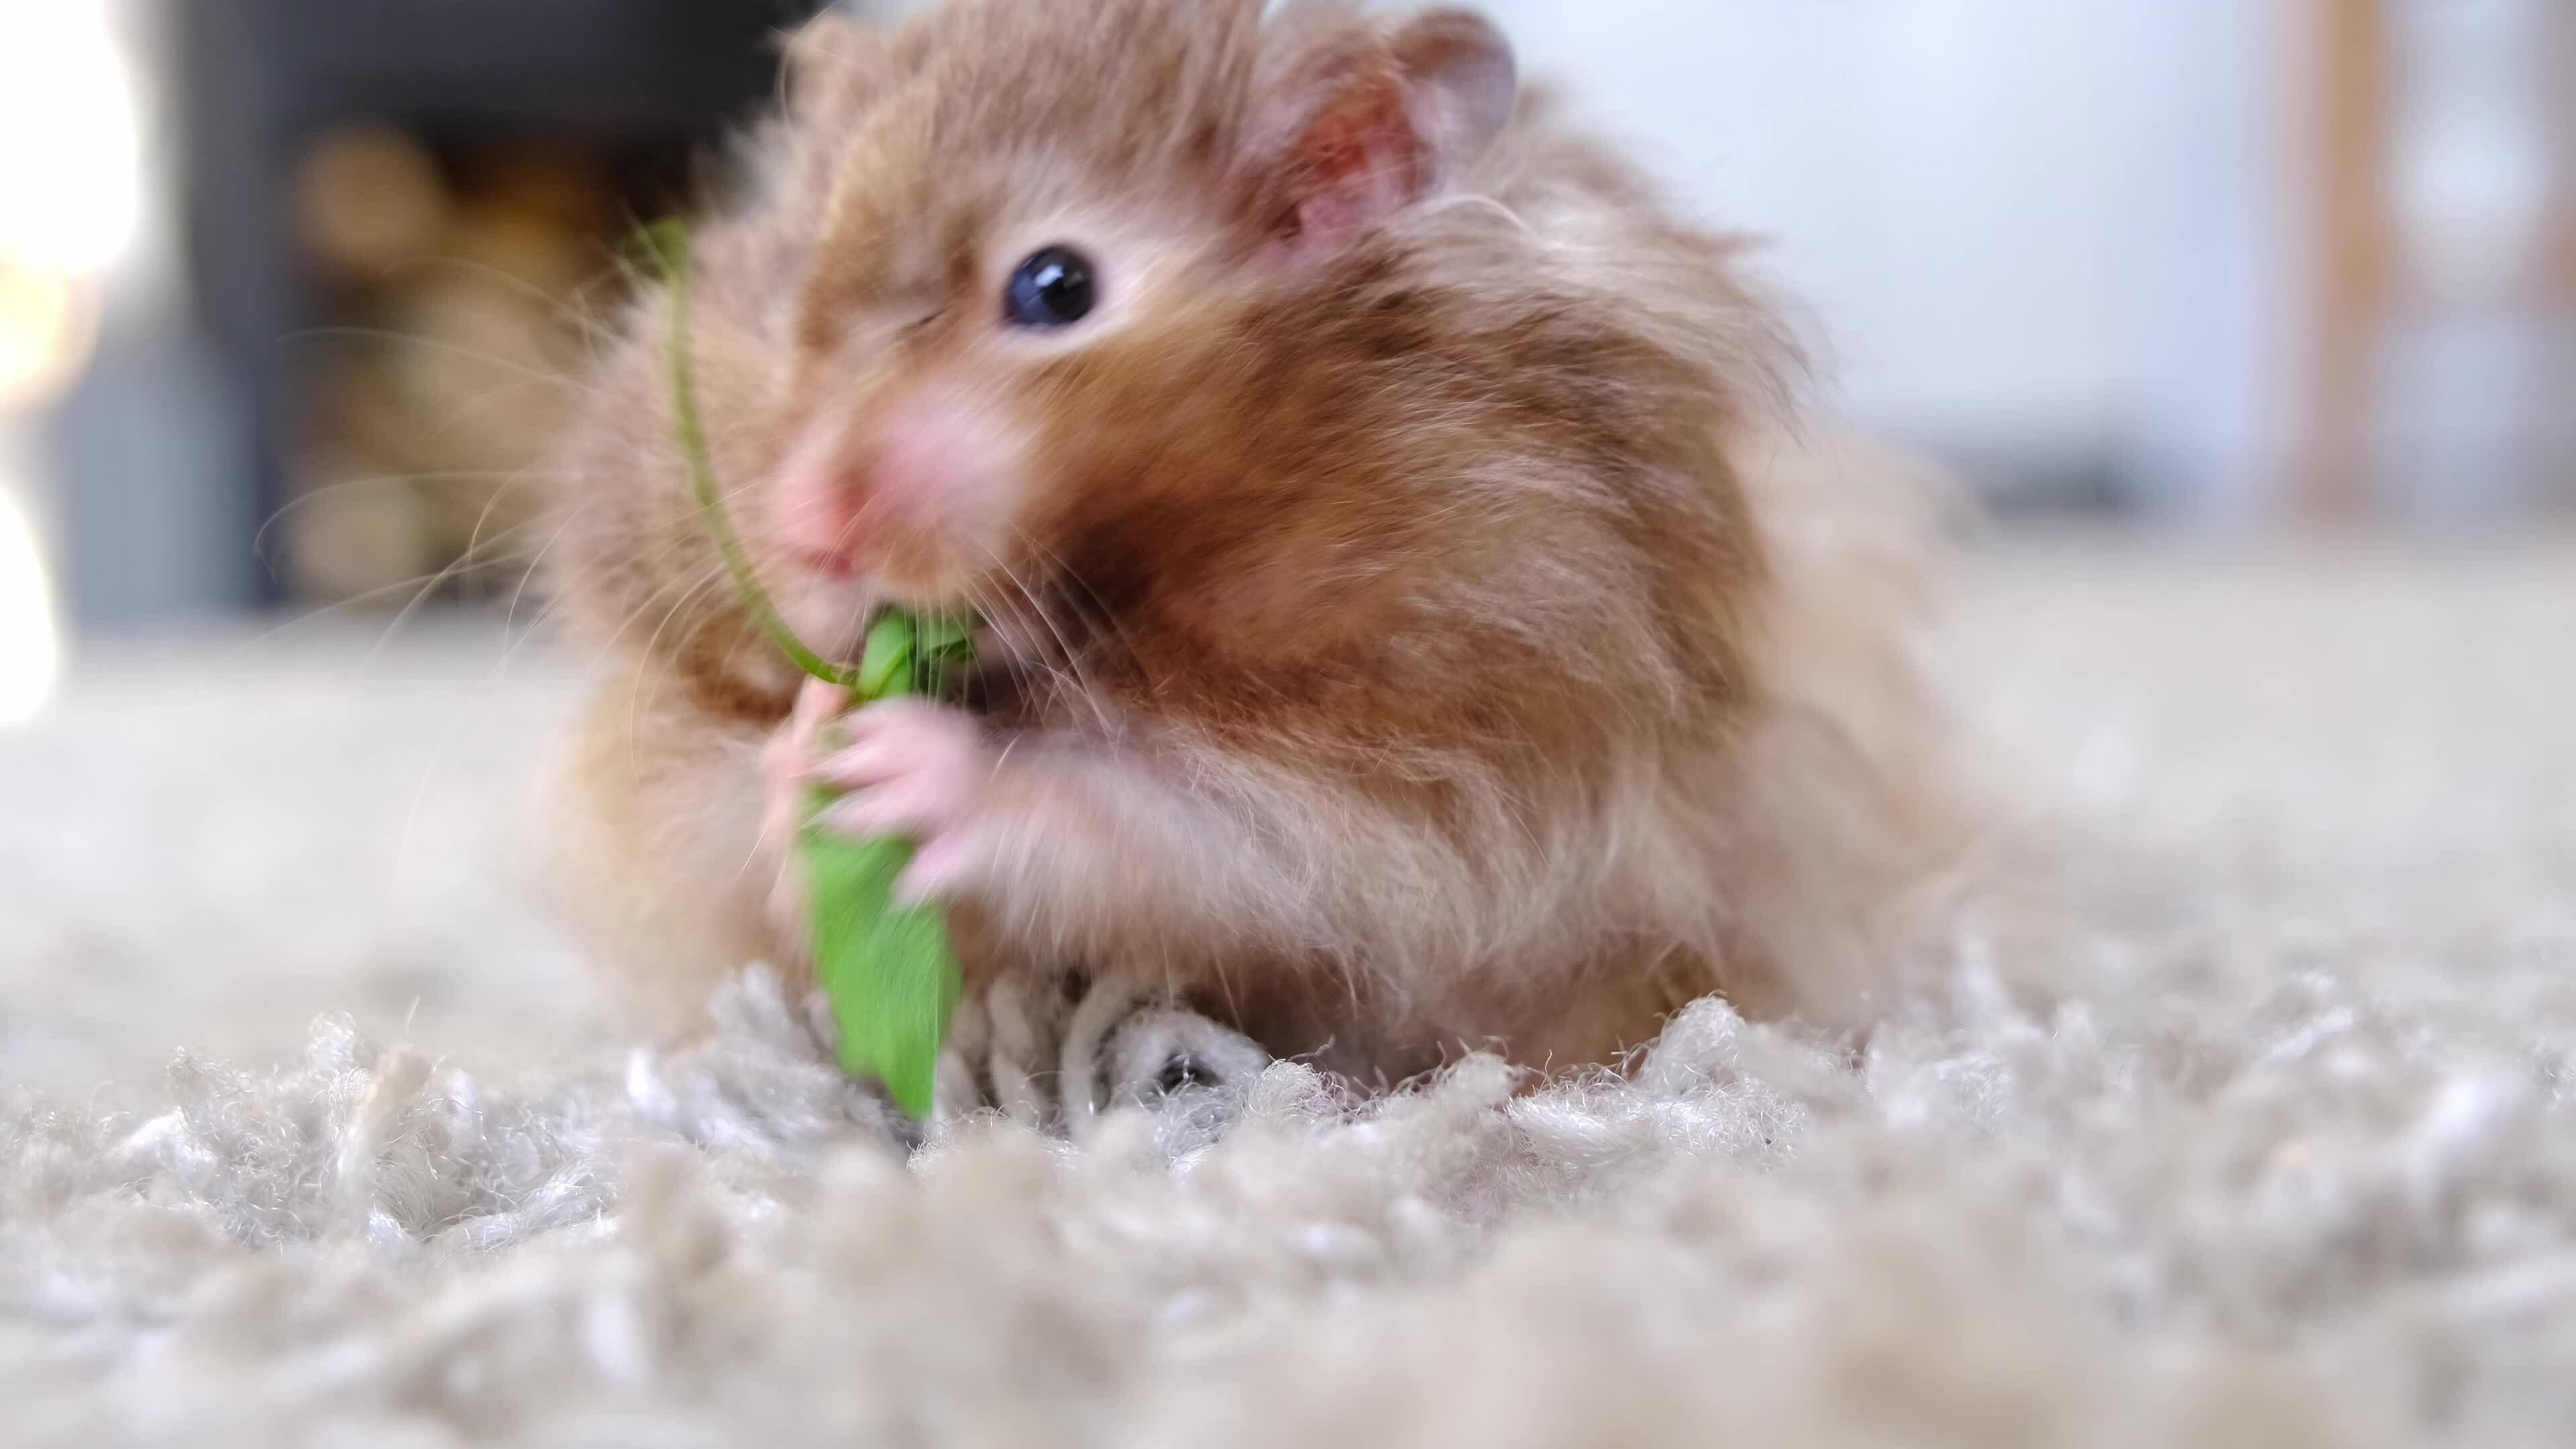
{"points": [[916, 770]]}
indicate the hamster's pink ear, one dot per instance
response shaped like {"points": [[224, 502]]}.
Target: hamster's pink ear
{"points": [[1369, 124]]}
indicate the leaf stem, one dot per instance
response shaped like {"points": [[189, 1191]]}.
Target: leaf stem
{"points": [[669, 244]]}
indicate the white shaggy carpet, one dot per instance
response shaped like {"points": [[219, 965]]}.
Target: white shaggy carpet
{"points": [[2295, 1164]]}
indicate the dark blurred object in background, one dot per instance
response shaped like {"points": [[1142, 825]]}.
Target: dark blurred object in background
{"points": [[395, 213], [455, 282]]}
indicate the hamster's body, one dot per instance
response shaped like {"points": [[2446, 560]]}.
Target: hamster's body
{"points": [[1412, 625]]}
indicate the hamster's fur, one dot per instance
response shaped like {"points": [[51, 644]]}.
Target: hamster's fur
{"points": [[1415, 617]]}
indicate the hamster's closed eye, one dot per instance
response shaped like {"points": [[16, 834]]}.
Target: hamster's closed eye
{"points": [[1054, 288]]}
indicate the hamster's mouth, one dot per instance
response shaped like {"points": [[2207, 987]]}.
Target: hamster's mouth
{"points": [[1042, 638], [1008, 678], [829, 613], [990, 687]]}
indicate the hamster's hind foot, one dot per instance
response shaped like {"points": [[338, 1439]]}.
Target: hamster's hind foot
{"points": [[1061, 1050]]}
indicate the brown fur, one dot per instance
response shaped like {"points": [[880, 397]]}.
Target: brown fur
{"points": [[1422, 639]]}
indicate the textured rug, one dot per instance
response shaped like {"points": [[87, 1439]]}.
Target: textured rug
{"points": [[2291, 1163]]}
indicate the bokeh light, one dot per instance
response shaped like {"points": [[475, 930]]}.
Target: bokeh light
{"points": [[72, 208]]}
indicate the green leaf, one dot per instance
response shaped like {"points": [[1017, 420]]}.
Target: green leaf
{"points": [[885, 667], [888, 969], [945, 634]]}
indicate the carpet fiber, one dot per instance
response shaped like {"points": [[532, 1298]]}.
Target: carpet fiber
{"points": [[2291, 1162]]}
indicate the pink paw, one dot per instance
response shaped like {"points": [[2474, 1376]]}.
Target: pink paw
{"points": [[915, 770]]}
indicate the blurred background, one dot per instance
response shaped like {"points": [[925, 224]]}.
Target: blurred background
{"points": [[288, 288]]}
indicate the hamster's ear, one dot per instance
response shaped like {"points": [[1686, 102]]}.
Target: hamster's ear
{"points": [[1366, 124]]}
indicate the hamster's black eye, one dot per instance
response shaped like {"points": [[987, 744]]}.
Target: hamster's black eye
{"points": [[1053, 288]]}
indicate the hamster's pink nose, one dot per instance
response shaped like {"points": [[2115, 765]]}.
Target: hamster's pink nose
{"points": [[816, 508], [922, 473]]}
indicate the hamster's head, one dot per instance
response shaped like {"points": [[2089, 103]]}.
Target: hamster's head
{"points": [[1023, 287], [1125, 301], [1048, 235]]}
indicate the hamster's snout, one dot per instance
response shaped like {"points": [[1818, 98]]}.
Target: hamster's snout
{"points": [[815, 508], [905, 495]]}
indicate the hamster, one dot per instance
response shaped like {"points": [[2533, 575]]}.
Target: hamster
{"points": [[1412, 619]]}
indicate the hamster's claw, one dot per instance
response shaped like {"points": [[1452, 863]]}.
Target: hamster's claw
{"points": [[787, 773], [787, 761]]}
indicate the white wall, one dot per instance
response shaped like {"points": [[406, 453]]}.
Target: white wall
{"points": [[2026, 227]]}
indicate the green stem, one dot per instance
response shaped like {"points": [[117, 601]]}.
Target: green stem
{"points": [[670, 245]]}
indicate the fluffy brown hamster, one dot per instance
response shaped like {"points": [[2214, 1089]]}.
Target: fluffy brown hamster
{"points": [[1409, 623]]}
